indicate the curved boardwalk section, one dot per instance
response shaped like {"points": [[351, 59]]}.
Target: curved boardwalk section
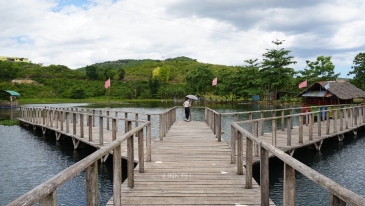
{"points": [[189, 167]]}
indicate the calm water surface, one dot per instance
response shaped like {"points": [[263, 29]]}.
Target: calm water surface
{"points": [[28, 159]]}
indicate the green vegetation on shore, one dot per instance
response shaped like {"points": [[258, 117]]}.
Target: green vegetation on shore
{"points": [[170, 79]]}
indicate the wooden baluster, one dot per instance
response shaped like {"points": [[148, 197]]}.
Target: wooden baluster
{"points": [[240, 154], [264, 176], [282, 121], [249, 162], [288, 131], [289, 186], [117, 169], [140, 151], [149, 140], [91, 117], [130, 157], [300, 128], [233, 145], [49, 200], [92, 184], [101, 130]]}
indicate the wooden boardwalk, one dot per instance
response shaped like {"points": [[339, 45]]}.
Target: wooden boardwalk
{"points": [[95, 140], [189, 167]]}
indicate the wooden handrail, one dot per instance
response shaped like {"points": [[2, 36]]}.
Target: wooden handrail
{"points": [[338, 194], [50, 186]]}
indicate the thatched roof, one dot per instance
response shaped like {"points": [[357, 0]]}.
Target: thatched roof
{"points": [[340, 89]]}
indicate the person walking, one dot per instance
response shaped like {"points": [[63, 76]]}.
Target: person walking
{"points": [[186, 105]]}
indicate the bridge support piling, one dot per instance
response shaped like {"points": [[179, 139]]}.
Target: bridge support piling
{"points": [[318, 145]]}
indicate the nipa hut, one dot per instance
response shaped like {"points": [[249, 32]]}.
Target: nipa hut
{"points": [[330, 93]]}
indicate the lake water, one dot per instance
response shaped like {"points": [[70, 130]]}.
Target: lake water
{"points": [[28, 159]]}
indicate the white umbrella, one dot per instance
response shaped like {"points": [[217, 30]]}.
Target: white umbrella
{"points": [[192, 97]]}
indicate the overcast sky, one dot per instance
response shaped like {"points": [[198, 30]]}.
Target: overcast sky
{"points": [[76, 33]]}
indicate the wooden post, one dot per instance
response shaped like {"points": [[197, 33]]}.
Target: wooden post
{"points": [[291, 118], [160, 126], [67, 122], [250, 124], [101, 129], [82, 125], [107, 119], [74, 123], [140, 151], [149, 140], [117, 171], [319, 121], [328, 122], [264, 176], [289, 186], [136, 118], [346, 118], [335, 121], [262, 122], [49, 200], [335, 201], [90, 118], [61, 120], [282, 121], [219, 135], [256, 131], [351, 110], [341, 119], [93, 117], [273, 131], [92, 184], [233, 145], [249, 161], [311, 120], [288, 131], [300, 128], [130, 156], [239, 153]]}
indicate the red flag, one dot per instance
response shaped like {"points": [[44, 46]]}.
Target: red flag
{"points": [[214, 82], [303, 84], [107, 84]]}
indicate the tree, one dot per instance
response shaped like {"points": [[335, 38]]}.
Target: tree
{"points": [[162, 73], [275, 68], [320, 70], [248, 80], [91, 72], [199, 80], [120, 74], [359, 71]]}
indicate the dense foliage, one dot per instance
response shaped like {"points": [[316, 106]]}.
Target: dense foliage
{"points": [[173, 78]]}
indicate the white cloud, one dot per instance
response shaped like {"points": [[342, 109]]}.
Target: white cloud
{"points": [[80, 33]]}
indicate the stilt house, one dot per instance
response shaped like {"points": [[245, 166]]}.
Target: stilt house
{"points": [[330, 93]]}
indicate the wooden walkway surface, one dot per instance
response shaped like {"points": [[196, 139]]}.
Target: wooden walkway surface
{"points": [[189, 167]]}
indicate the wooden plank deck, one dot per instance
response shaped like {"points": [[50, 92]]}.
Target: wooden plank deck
{"points": [[189, 167]]}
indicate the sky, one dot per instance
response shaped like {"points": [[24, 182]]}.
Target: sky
{"points": [[77, 33]]}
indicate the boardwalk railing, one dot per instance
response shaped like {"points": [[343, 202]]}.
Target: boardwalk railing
{"points": [[45, 193], [248, 130], [55, 118], [349, 114]]}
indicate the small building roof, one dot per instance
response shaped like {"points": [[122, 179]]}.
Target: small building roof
{"points": [[340, 89], [12, 93]]}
